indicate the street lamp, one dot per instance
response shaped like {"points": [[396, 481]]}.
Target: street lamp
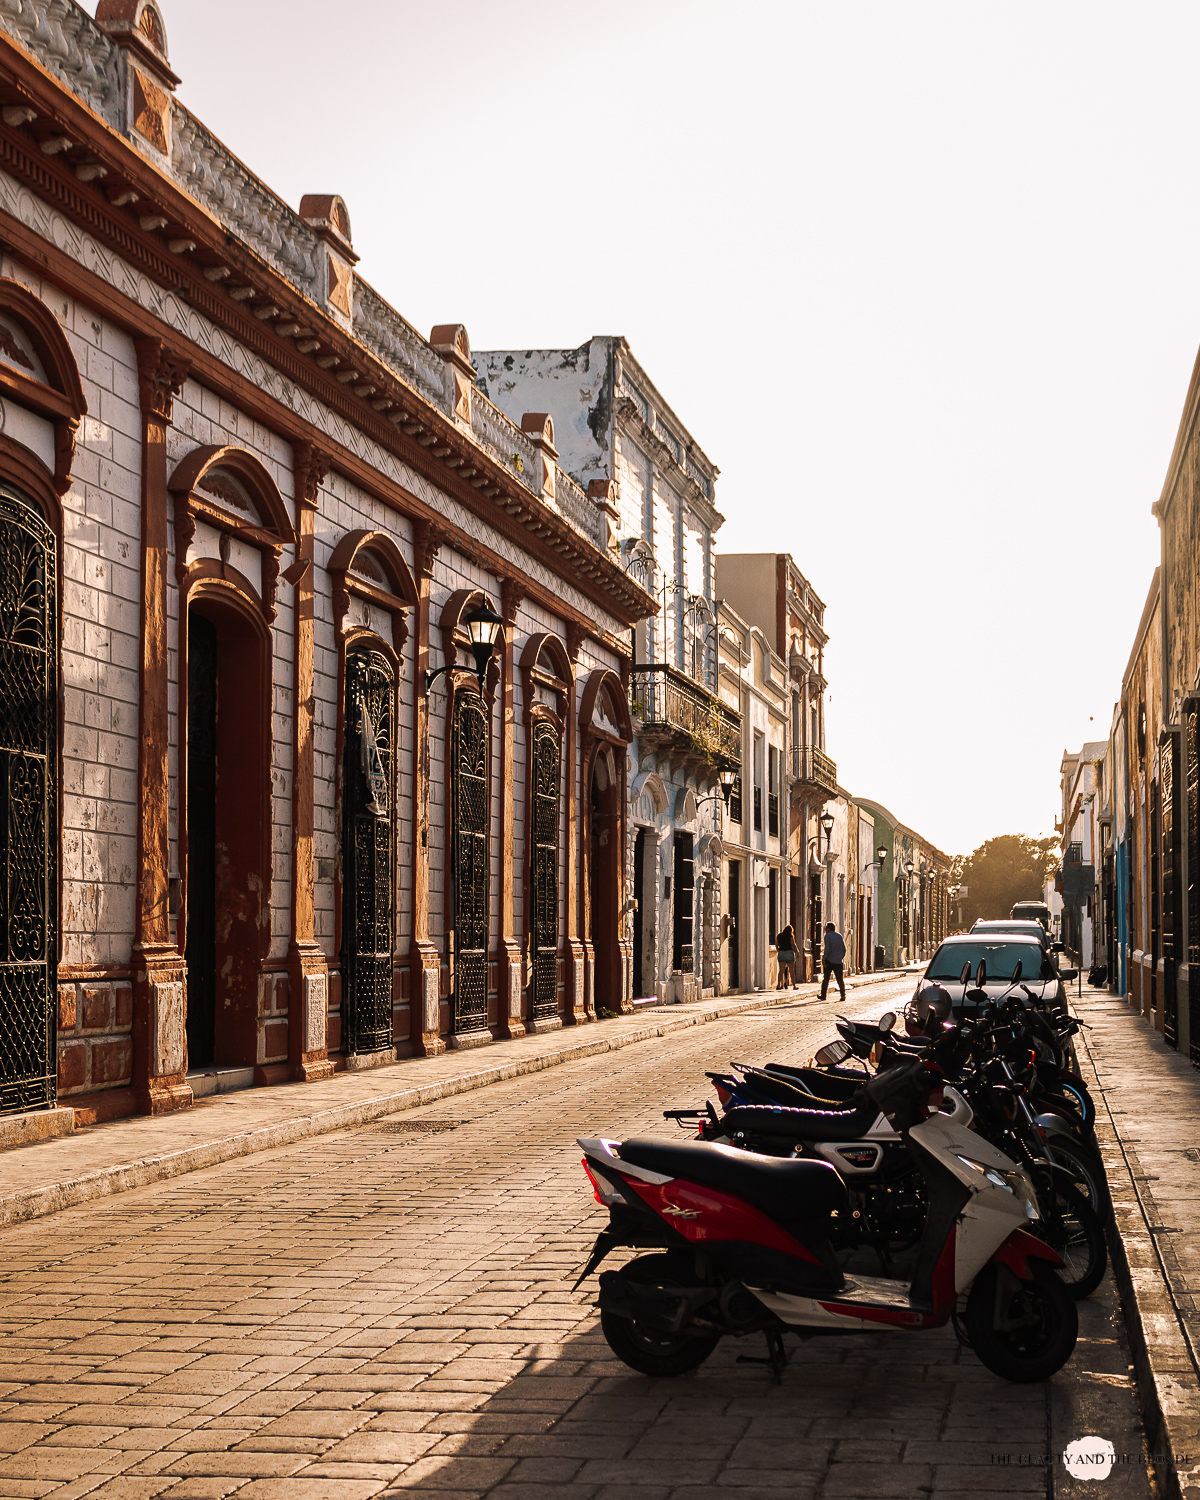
{"points": [[483, 626]]}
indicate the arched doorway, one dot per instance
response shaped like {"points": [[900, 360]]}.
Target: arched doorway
{"points": [[28, 804], [604, 856], [470, 826], [231, 526], [543, 868], [368, 845], [227, 808], [606, 731]]}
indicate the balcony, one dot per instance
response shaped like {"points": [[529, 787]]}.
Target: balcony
{"points": [[681, 715], [813, 770]]}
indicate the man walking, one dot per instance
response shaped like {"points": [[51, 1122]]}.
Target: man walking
{"points": [[833, 958]]}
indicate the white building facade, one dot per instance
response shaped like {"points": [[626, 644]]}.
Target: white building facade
{"points": [[619, 439]]}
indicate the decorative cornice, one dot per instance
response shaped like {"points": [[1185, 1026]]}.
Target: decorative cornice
{"points": [[188, 257]]}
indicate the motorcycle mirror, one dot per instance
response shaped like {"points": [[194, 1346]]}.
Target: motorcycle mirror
{"points": [[965, 976], [832, 1053], [981, 974], [887, 1020], [1017, 971], [939, 1002]]}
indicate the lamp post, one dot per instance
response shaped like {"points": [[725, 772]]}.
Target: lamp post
{"points": [[483, 626]]}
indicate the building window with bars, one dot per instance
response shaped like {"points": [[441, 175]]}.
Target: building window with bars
{"points": [[773, 792]]}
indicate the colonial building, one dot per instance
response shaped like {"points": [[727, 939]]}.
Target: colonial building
{"points": [[1152, 985], [314, 663], [913, 903], [770, 592], [617, 436], [753, 682]]}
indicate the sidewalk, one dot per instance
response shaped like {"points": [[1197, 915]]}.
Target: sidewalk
{"points": [[46, 1176], [1148, 1125]]}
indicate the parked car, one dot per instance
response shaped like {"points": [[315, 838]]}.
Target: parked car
{"points": [[1032, 911], [1018, 929], [1000, 954]]}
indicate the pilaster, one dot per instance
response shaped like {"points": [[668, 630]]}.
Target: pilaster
{"points": [[578, 950], [160, 981], [509, 958], [308, 969], [424, 956]]}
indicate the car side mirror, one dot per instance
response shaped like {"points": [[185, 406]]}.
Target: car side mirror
{"points": [[981, 974], [1058, 947], [1068, 974]]}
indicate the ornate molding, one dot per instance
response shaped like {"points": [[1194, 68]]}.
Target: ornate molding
{"points": [[170, 309], [576, 635], [311, 469], [161, 374], [511, 594], [427, 542]]}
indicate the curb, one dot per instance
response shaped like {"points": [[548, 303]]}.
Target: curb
{"points": [[36, 1203], [1163, 1366]]}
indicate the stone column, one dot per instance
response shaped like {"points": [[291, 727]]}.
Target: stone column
{"points": [[425, 959], [308, 970], [159, 1027], [509, 958]]}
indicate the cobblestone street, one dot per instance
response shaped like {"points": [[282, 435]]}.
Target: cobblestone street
{"points": [[390, 1308]]}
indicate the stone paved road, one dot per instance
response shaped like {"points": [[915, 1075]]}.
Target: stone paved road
{"points": [[389, 1308]]}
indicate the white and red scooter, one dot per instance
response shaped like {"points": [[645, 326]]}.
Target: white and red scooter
{"points": [[743, 1245]]}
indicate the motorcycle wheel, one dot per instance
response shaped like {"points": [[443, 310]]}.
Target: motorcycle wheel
{"points": [[1080, 1102], [1085, 1166], [646, 1349], [1070, 1226], [1045, 1321]]}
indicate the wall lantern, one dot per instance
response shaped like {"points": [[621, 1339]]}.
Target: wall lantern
{"points": [[881, 854], [483, 626], [827, 825], [727, 775], [908, 868]]}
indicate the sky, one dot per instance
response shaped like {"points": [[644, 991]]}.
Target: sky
{"points": [[920, 278]]}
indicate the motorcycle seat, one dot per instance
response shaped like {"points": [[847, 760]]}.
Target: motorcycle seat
{"points": [[801, 1124], [784, 1190]]}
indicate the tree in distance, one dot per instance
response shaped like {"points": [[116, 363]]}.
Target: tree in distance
{"points": [[1010, 868]]}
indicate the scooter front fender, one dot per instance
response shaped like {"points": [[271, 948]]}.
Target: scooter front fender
{"points": [[1019, 1248], [1056, 1125]]}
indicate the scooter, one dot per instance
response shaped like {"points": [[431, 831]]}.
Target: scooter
{"points": [[744, 1245]]}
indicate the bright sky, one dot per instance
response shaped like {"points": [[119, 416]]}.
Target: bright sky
{"points": [[921, 278]]}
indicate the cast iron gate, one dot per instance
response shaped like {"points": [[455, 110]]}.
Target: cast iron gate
{"points": [[547, 776], [28, 807], [469, 859], [368, 878]]}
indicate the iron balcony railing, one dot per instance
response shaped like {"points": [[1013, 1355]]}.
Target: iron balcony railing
{"points": [[815, 767], [675, 709]]}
